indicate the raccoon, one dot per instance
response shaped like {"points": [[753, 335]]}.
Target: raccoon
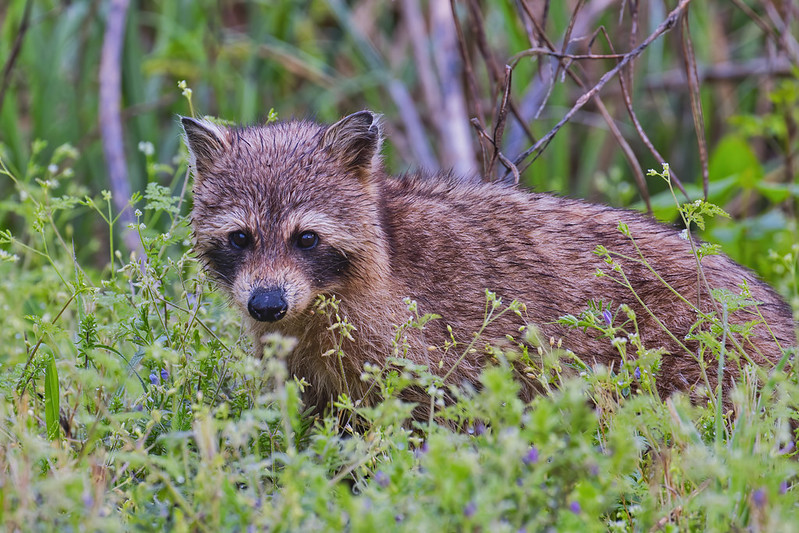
{"points": [[286, 212]]}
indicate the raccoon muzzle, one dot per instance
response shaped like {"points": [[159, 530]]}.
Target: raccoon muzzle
{"points": [[267, 305]]}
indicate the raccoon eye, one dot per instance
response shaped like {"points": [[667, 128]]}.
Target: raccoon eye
{"points": [[239, 239], [307, 240]]}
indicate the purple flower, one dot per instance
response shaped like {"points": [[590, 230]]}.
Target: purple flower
{"points": [[574, 507], [759, 497], [637, 372], [479, 428], [470, 509], [787, 449], [88, 500], [531, 456], [421, 450], [164, 374], [382, 479], [607, 316], [783, 487], [154, 378]]}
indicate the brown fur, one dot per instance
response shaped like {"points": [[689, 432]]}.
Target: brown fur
{"points": [[440, 241]]}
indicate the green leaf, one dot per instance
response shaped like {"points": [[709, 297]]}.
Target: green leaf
{"points": [[733, 156], [51, 400], [777, 192]]}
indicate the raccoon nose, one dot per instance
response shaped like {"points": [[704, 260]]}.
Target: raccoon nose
{"points": [[267, 305]]}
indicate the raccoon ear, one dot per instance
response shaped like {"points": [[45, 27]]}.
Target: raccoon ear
{"points": [[355, 140], [205, 141]]}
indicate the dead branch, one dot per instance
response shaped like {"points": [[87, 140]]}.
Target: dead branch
{"points": [[696, 105], [665, 26]]}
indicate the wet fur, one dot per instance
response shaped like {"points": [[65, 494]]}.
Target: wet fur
{"points": [[441, 241]]}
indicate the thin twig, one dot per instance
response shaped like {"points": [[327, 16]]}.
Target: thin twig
{"points": [[628, 104], [633, 39], [538, 51], [499, 121], [550, 78], [783, 25], [567, 37], [754, 17], [478, 29], [493, 68], [696, 104], [627, 150], [665, 26], [471, 79], [502, 159]]}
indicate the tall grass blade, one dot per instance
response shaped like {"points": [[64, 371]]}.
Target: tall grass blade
{"points": [[51, 400]]}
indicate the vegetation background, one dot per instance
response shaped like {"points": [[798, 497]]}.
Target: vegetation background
{"points": [[129, 400]]}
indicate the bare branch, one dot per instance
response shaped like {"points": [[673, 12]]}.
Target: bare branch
{"points": [[484, 136], [696, 104], [499, 121], [665, 26], [471, 79]]}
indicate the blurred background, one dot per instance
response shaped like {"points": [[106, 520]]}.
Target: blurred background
{"points": [[578, 97]]}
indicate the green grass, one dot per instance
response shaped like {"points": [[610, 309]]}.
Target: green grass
{"points": [[130, 400]]}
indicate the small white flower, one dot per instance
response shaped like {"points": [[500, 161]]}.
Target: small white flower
{"points": [[684, 234], [11, 258], [146, 148], [52, 168]]}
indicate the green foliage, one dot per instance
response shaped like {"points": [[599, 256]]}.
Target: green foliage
{"points": [[762, 193], [130, 400], [51, 400], [159, 418]]}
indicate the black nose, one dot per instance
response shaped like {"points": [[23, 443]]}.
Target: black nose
{"points": [[267, 305]]}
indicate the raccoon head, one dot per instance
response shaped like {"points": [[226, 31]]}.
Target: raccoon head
{"points": [[288, 211]]}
